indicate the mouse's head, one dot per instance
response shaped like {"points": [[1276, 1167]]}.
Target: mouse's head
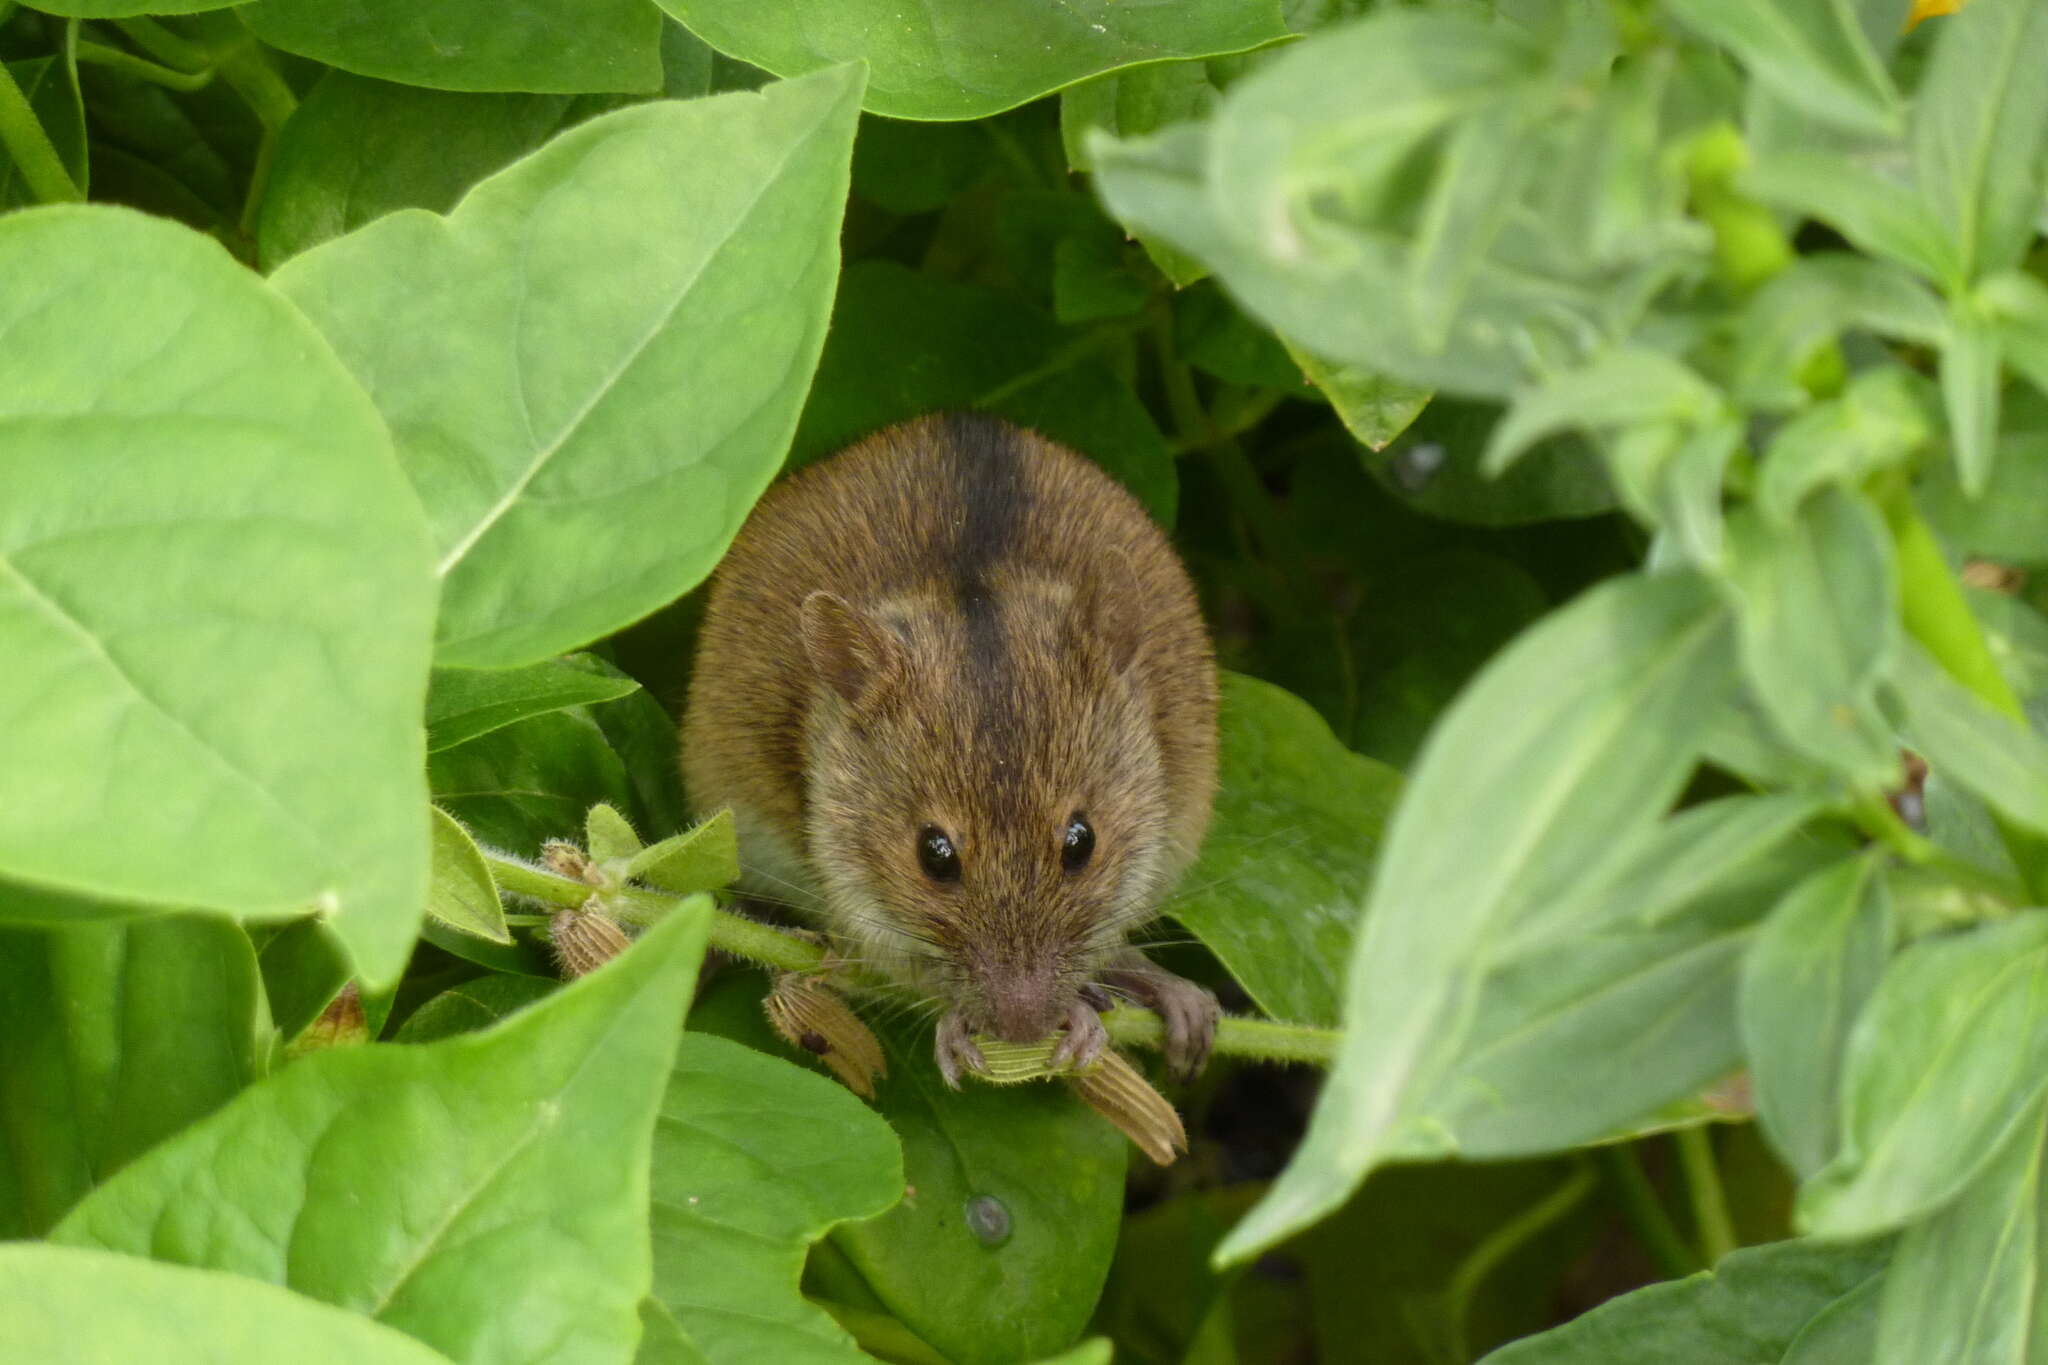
{"points": [[985, 802]]}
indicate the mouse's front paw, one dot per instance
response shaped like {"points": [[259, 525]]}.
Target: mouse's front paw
{"points": [[1188, 1011], [955, 1049], [1082, 1043]]}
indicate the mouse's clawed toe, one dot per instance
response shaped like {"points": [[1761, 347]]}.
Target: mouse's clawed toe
{"points": [[1083, 1041], [955, 1050], [1188, 1011]]}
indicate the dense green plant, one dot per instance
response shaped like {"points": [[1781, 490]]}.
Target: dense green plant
{"points": [[1610, 437]]}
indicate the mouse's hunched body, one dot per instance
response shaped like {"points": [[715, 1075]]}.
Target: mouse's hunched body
{"points": [[954, 685]]}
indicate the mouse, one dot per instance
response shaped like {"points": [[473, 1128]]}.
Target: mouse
{"points": [[954, 684]]}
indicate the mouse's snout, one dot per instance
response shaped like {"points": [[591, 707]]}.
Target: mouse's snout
{"points": [[1023, 1005]]}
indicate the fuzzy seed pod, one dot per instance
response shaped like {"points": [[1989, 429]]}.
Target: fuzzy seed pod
{"points": [[809, 1014], [565, 859], [1114, 1089], [585, 940]]}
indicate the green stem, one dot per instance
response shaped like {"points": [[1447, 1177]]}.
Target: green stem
{"points": [[1503, 1242], [246, 66], [1260, 1039], [1711, 1221], [30, 148], [113, 58], [164, 45], [1646, 1213]]}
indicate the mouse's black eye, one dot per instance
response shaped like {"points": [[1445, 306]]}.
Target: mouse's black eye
{"points": [[936, 854], [1077, 843]]}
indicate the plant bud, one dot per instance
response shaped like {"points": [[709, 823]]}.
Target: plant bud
{"points": [[809, 1014], [1114, 1089], [585, 940]]}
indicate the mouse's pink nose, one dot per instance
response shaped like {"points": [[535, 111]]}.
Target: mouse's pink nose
{"points": [[1023, 1007]]}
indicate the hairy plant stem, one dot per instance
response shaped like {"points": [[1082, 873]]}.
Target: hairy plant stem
{"points": [[1646, 1213], [1260, 1039], [1711, 1221], [30, 148]]}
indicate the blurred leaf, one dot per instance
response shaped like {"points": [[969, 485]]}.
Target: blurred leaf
{"points": [[754, 1159], [1619, 389], [1980, 125], [905, 343], [978, 1302], [1756, 1307], [1373, 408], [1878, 422], [1213, 334], [463, 703], [512, 1229], [1966, 1284], [963, 59], [1289, 854], [917, 167], [2008, 521], [1813, 966], [1608, 700], [1434, 466], [1970, 379], [1132, 103], [70, 1304], [1814, 56], [1877, 209], [1093, 279], [530, 781], [535, 461], [1969, 743], [1817, 617], [158, 547], [112, 1038], [461, 893], [472, 1007], [1946, 1063], [555, 46], [50, 85], [1812, 302]]}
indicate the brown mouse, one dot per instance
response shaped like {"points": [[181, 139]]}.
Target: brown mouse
{"points": [[955, 687]]}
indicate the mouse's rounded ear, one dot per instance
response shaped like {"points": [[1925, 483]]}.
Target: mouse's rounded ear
{"points": [[1109, 617], [849, 650]]}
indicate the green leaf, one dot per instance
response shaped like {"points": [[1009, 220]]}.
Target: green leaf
{"points": [[1373, 408], [976, 1302], [1945, 1064], [1619, 389], [1876, 210], [517, 787], [642, 734], [905, 343], [113, 1037], [50, 84], [706, 858], [662, 1341], [1878, 422], [1434, 467], [1809, 305], [1809, 973], [562, 46], [463, 703], [1966, 741], [1817, 615], [1289, 853], [962, 59], [754, 1160], [1133, 103], [462, 893], [608, 837], [68, 1304], [473, 1006], [1755, 1308], [486, 1194], [303, 967], [1970, 380], [121, 9], [690, 247], [1980, 124], [1568, 746], [1814, 56], [194, 536], [1966, 1284]]}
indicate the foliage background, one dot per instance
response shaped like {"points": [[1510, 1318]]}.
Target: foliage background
{"points": [[1604, 435]]}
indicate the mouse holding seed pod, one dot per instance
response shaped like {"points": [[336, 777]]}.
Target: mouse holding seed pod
{"points": [[954, 685]]}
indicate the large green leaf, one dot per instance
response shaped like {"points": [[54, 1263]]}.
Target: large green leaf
{"points": [[1814, 56], [1817, 611], [1757, 1307], [1808, 975], [961, 59], [1289, 854], [754, 1160], [1968, 743], [1966, 1284], [486, 1194], [1946, 1063], [1567, 748], [92, 1308], [113, 1037], [531, 781], [463, 703], [1053, 1169], [1980, 119], [593, 365], [195, 536], [539, 45]]}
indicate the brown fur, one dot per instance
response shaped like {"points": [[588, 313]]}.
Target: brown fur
{"points": [[956, 623]]}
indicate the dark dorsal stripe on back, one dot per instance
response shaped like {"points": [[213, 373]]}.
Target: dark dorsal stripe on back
{"points": [[988, 473]]}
